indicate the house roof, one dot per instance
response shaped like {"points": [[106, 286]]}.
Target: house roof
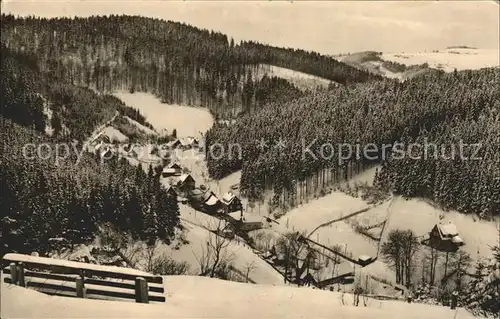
{"points": [[196, 192], [448, 230], [188, 141], [364, 258], [169, 170], [207, 194], [169, 188], [212, 201], [248, 218], [184, 177], [457, 240], [174, 165], [228, 197], [173, 143]]}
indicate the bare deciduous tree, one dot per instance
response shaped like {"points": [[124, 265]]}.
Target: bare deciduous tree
{"points": [[400, 250], [249, 266], [291, 245], [152, 260], [214, 259]]}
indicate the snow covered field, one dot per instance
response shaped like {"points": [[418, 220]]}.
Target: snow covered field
{"points": [[320, 211], [301, 80], [420, 216], [449, 59], [201, 297], [188, 121]]}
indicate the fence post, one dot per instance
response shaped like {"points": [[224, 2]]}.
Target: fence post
{"points": [[80, 288], [13, 273], [20, 275], [141, 290]]}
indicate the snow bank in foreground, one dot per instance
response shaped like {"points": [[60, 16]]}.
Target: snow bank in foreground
{"points": [[199, 297]]}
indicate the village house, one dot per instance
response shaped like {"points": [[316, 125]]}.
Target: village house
{"points": [[445, 237], [173, 144], [211, 203], [231, 203], [186, 183], [189, 142], [173, 169], [227, 231], [365, 260], [171, 191], [246, 222]]}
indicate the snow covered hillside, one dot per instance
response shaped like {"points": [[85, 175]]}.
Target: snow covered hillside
{"points": [[187, 121], [301, 80]]}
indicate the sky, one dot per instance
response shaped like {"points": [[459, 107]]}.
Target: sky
{"points": [[328, 27]]}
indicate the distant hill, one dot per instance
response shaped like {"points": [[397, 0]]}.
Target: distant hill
{"points": [[407, 65], [179, 63]]}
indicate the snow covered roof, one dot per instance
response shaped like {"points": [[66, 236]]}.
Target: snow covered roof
{"points": [[235, 215], [212, 201], [248, 218], [196, 192], [174, 165], [172, 143], [207, 193], [364, 258], [228, 197], [188, 141], [448, 230], [169, 188], [457, 240], [184, 177]]}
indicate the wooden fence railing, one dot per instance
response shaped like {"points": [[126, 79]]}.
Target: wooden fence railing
{"points": [[75, 279]]}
